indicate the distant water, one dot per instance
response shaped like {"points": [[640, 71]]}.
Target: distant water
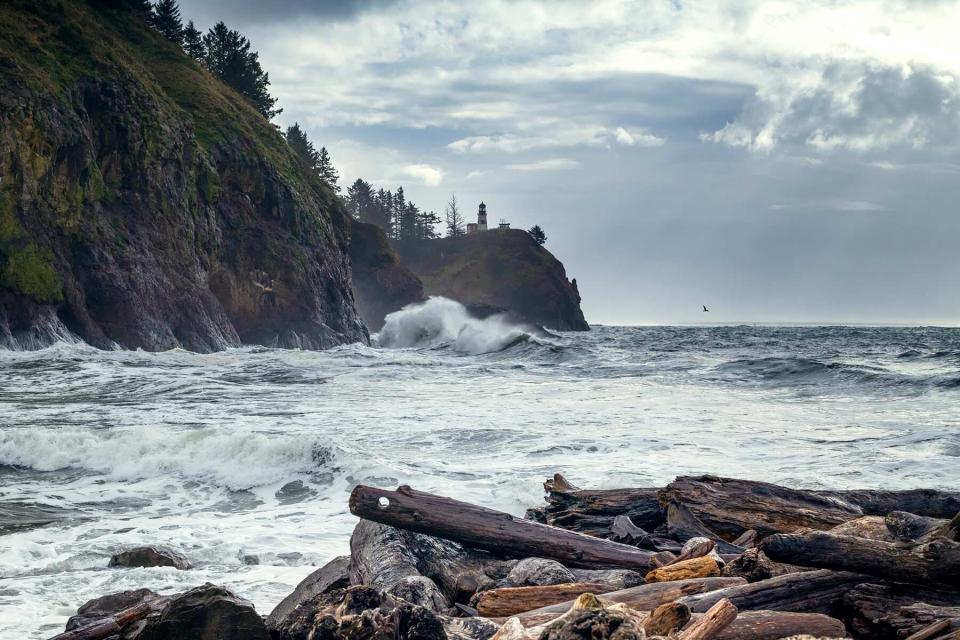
{"points": [[192, 450]]}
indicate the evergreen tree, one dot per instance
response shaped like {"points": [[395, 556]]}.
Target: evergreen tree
{"points": [[229, 57], [427, 223], [326, 169], [360, 202], [193, 43], [455, 223], [397, 213], [298, 141], [166, 20], [537, 234]]}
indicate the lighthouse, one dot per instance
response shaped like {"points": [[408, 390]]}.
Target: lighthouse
{"points": [[482, 218]]}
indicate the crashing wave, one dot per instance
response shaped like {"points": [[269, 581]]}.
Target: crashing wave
{"points": [[444, 322]]}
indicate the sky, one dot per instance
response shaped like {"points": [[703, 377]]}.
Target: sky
{"points": [[775, 161]]}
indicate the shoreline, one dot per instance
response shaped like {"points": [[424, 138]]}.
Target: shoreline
{"points": [[759, 553]]}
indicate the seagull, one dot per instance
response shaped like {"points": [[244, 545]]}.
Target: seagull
{"points": [[705, 310]]}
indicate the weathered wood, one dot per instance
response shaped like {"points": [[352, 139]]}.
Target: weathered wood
{"points": [[502, 603], [108, 626], [935, 561], [683, 525], [811, 592], [774, 625], [922, 502], [623, 530], [488, 529], [715, 620], [869, 527], [701, 567], [593, 511], [873, 610], [754, 565], [645, 597], [662, 559], [931, 631], [666, 619], [747, 539], [909, 527]]}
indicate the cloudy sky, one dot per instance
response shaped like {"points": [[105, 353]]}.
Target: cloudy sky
{"points": [[776, 161]]}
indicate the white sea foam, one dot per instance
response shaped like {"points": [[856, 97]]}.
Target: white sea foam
{"points": [[441, 321]]}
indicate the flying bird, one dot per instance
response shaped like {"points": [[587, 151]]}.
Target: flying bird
{"points": [[705, 310]]}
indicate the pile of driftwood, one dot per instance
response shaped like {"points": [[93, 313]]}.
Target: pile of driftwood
{"points": [[704, 557]]}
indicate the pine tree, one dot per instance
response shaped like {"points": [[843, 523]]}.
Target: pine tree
{"points": [[537, 234], [455, 223], [427, 223], [360, 201], [298, 141], [326, 169], [193, 43], [399, 208], [166, 20], [229, 57]]}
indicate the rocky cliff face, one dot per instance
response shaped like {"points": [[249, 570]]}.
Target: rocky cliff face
{"points": [[499, 271], [381, 282], [145, 204]]}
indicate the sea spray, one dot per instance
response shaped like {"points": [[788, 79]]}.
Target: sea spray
{"points": [[441, 322]]}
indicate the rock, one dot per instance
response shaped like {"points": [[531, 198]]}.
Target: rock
{"points": [[139, 214], [381, 282], [207, 613], [538, 572], [754, 565], [870, 527], [149, 557], [615, 578], [105, 606], [250, 559], [498, 271], [333, 575], [703, 567]]}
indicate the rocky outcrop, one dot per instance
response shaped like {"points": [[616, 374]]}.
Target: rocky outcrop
{"points": [[149, 557], [499, 271], [381, 282], [145, 204]]}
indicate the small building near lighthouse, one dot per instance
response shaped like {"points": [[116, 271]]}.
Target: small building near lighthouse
{"points": [[481, 223]]}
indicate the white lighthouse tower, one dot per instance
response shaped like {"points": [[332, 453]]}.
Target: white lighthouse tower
{"points": [[482, 218]]}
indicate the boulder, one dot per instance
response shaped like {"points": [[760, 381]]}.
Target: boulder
{"points": [[106, 606], [333, 575], [208, 612], [149, 556]]}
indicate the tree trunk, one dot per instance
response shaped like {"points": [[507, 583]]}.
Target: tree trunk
{"points": [[108, 626], [492, 530], [645, 597], [774, 625], [873, 610], [683, 525], [811, 592], [935, 561]]}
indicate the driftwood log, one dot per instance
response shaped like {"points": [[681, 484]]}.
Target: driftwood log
{"points": [[491, 530], [107, 627], [502, 603], [646, 597], [812, 592], [683, 525], [938, 560], [730, 507], [774, 625], [909, 527], [877, 610], [710, 624]]}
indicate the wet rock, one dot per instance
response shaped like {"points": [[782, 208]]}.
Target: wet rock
{"points": [[105, 606], [333, 575], [208, 613], [149, 557], [381, 282], [250, 559]]}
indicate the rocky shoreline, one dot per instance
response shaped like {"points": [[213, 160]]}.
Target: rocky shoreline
{"points": [[704, 557]]}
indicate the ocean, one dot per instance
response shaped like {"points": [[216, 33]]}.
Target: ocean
{"points": [[249, 455]]}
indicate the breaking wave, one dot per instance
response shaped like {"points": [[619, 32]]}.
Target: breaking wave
{"points": [[441, 322], [233, 460]]}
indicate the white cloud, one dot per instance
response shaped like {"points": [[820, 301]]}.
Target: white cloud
{"points": [[552, 164], [638, 137], [427, 175], [571, 137]]}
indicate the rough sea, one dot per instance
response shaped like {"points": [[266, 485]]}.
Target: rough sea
{"points": [[252, 452]]}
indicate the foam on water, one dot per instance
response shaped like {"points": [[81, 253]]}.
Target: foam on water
{"points": [[192, 450]]}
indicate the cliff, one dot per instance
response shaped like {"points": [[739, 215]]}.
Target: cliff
{"points": [[499, 271], [381, 282], [145, 204]]}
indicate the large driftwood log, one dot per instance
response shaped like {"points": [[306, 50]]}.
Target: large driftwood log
{"points": [[108, 626], [934, 561], [729, 506], [812, 592], [873, 610], [502, 603], [593, 511], [774, 625], [645, 597], [909, 527], [492, 530], [683, 525]]}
